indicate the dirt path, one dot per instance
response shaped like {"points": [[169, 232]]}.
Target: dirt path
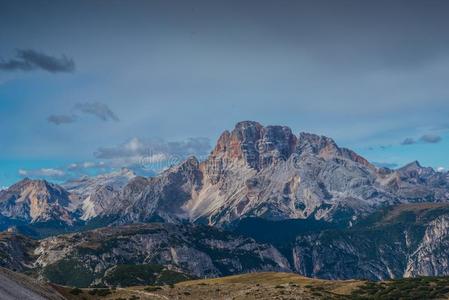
{"points": [[145, 293]]}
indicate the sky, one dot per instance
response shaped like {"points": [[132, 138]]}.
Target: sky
{"points": [[92, 86]]}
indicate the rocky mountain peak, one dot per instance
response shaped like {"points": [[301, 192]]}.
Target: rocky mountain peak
{"points": [[326, 148], [254, 144], [35, 201]]}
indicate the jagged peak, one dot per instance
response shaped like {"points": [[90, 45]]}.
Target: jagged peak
{"points": [[253, 142], [318, 142], [28, 182], [414, 165], [247, 124]]}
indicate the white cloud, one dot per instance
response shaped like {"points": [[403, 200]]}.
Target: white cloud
{"points": [[137, 147], [43, 172]]}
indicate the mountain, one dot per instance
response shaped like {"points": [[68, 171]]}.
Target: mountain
{"points": [[264, 199], [414, 183], [254, 171], [92, 195], [34, 201], [40, 208], [268, 172]]}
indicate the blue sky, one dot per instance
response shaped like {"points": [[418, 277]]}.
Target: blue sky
{"points": [[170, 76]]}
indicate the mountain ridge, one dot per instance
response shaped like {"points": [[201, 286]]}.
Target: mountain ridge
{"points": [[253, 171]]}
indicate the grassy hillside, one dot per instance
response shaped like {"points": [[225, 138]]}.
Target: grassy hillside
{"points": [[275, 286]]}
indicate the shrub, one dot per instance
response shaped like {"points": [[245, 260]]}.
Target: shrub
{"points": [[152, 288], [76, 291]]}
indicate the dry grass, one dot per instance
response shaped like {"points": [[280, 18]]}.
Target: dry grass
{"points": [[238, 287]]}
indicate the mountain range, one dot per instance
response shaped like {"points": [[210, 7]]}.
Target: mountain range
{"points": [[306, 204]]}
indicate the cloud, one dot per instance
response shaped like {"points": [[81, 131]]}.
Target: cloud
{"points": [[426, 139], [61, 119], [430, 138], [97, 109], [43, 173], [441, 169], [100, 110], [144, 157], [137, 147], [408, 141], [152, 154], [86, 165], [30, 60]]}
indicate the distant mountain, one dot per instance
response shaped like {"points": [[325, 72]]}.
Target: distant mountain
{"points": [[92, 195], [33, 201]]}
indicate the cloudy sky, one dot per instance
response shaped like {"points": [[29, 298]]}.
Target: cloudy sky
{"points": [[89, 86]]}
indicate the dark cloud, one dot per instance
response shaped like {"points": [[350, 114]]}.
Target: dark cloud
{"points": [[430, 138], [408, 141], [29, 60], [61, 119], [100, 110], [426, 139]]}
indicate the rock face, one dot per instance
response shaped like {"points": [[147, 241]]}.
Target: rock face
{"points": [[410, 240], [431, 257], [194, 250]]}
